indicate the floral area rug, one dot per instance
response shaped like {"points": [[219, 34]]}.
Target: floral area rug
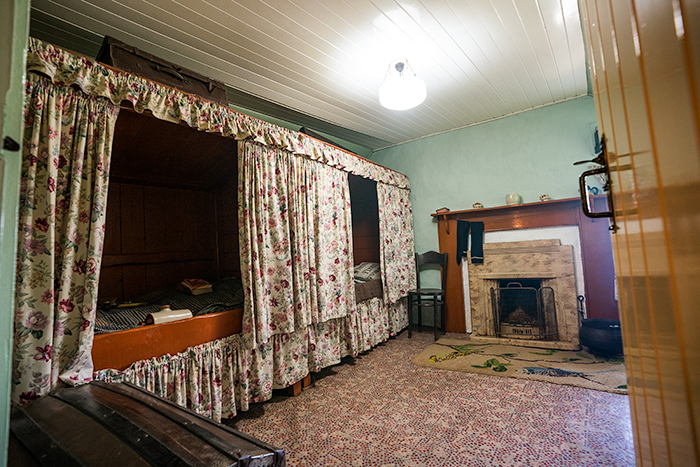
{"points": [[573, 368]]}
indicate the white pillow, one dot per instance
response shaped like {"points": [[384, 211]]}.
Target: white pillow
{"points": [[368, 272]]}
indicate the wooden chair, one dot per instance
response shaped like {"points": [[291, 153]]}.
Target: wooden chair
{"points": [[428, 297]]}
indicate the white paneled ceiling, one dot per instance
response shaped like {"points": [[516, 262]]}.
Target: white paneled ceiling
{"points": [[325, 59]]}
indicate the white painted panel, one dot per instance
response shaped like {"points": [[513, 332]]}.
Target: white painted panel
{"points": [[480, 59], [554, 27], [531, 15], [243, 78], [515, 25]]}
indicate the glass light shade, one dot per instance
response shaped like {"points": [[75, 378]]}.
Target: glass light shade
{"points": [[402, 92]]}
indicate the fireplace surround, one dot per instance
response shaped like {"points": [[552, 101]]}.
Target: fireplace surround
{"points": [[597, 283], [545, 262]]}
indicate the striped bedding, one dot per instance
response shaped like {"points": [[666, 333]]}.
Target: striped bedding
{"points": [[227, 294]]}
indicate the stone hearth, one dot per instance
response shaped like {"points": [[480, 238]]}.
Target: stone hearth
{"points": [[545, 260]]}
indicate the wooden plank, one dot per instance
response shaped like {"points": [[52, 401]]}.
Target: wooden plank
{"points": [[111, 283], [232, 261], [163, 275], [365, 219], [136, 415], [155, 258], [70, 429], [201, 206], [38, 442], [205, 440], [156, 200], [132, 219], [148, 447], [229, 224], [126, 136], [598, 268], [120, 349], [226, 439], [134, 281]]}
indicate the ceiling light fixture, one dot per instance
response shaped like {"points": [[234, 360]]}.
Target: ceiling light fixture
{"points": [[401, 89]]}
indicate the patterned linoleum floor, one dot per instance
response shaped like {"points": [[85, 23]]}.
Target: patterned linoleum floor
{"points": [[380, 410]]}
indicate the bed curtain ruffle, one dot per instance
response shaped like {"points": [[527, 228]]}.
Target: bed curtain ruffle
{"points": [[219, 378]]}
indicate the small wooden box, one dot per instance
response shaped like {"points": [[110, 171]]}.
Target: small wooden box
{"points": [[121, 425]]}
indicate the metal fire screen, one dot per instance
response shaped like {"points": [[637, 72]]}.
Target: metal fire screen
{"points": [[524, 310]]}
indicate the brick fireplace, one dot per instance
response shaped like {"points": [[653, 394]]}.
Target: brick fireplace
{"points": [[525, 292]]}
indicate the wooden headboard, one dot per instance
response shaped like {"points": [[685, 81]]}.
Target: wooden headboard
{"points": [[171, 208], [365, 219]]}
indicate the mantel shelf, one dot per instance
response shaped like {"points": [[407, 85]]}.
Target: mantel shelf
{"points": [[508, 207]]}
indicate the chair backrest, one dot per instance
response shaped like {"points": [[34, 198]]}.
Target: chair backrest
{"points": [[432, 257]]}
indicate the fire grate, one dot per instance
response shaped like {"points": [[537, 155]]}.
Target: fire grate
{"points": [[524, 309]]}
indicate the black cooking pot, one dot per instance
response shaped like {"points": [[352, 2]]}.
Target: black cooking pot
{"points": [[602, 336]]}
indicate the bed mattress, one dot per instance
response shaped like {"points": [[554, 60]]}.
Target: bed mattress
{"points": [[227, 294]]}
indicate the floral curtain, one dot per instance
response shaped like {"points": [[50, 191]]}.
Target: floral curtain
{"points": [[296, 242], [396, 247], [202, 378], [65, 167]]}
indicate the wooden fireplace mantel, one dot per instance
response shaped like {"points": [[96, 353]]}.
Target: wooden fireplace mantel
{"points": [[596, 249]]}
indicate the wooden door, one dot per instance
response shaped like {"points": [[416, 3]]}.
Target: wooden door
{"points": [[14, 27], [644, 59]]}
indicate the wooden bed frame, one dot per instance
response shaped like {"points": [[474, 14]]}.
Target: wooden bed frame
{"points": [[164, 226], [120, 349]]}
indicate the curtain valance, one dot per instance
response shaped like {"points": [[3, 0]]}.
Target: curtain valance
{"points": [[67, 69]]}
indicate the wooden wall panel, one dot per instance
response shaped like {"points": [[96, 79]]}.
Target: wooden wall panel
{"points": [[134, 281], [133, 234], [113, 244], [158, 236], [156, 203], [365, 241], [111, 286], [365, 219], [162, 226], [154, 152], [227, 222]]}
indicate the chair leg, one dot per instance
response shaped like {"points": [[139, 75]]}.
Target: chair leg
{"points": [[435, 315], [420, 315], [442, 316], [410, 316]]}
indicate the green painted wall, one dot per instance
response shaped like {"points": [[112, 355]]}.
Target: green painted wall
{"points": [[530, 153], [14, 25]]}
